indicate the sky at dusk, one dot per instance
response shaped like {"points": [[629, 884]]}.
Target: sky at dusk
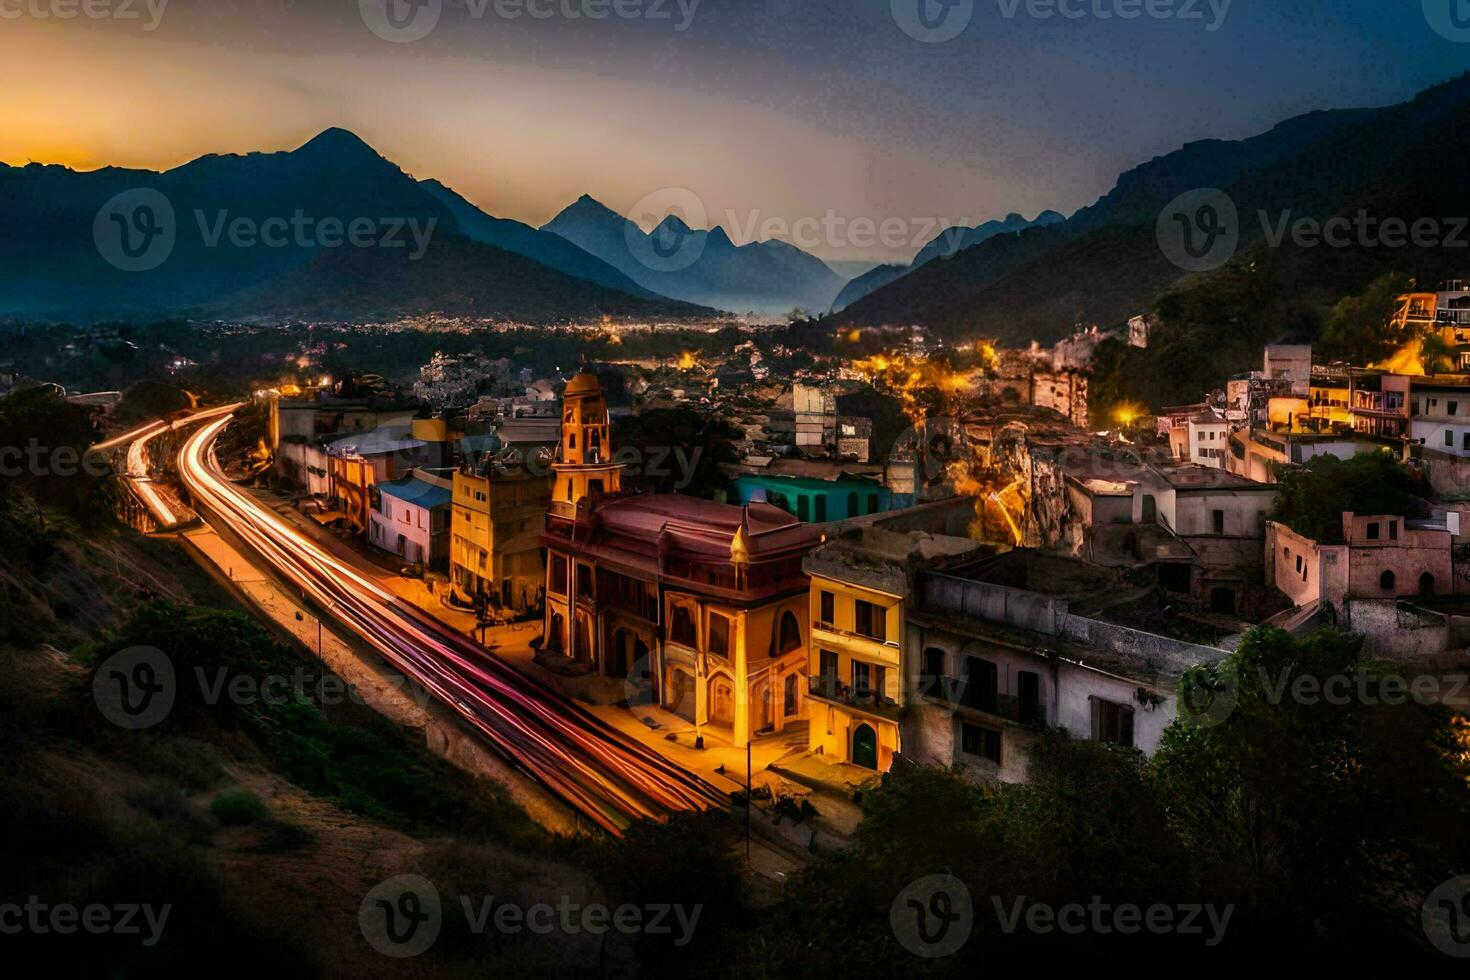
{"points": [[769, 111]]}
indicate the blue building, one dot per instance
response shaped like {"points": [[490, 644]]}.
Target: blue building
{"points": [[814, 500]]}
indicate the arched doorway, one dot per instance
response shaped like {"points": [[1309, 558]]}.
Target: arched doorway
{"points": [[865, 747], [1386, 581], [721, 701], [789, 636], [1426, 584]]}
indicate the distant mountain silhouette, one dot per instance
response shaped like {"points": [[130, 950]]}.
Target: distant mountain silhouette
{"points": [[1104, 263], [944, 245], [241, 223], [543, 246], [700, 266]]}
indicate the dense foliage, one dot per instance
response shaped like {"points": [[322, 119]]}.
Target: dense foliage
{"points": [[1313, 497]]}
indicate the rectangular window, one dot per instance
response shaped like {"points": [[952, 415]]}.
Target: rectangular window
{"points": [[584, 581], [803, 508], [1218, 519], [1449, 439], [870, 620], [1112, 722], [862, 679], [1393, 530], [982, 742], [821, 509], [1028, 695], [719, 635], [982, 685], [1373, 531], [828, 613], [681, 627], [827, 676], [1454, 408], [558, 578]]}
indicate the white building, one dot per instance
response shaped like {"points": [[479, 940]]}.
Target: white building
{"points": [[1441, 414], [1209, 440], [411, 518]]}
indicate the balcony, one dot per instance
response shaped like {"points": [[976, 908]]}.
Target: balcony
{"points": [[831, 689], [957, 693]]}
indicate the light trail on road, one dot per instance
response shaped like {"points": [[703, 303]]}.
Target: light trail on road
{"points": [[138, 478], [608, 776]]}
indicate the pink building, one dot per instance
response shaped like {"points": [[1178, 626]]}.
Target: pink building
{"points": [[1380, 557]]}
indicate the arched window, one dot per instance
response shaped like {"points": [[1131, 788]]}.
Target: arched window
{"points": [[1386, 580], [790, 635]]}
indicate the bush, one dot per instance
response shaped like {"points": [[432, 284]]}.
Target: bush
{"points": [[237, 807]]}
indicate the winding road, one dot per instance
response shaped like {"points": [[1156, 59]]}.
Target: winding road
{"points": [[604, 774]]}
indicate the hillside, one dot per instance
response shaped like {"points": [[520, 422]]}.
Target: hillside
{"points": [[455, 276], [1104, 264], [234, 235]]}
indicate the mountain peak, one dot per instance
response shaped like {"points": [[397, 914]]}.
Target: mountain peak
{"points": [[718, 239], [337, 144], [673, 224]]}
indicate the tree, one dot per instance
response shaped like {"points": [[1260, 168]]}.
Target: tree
{"points": [[1324, 804], [1313, 498], [1358, 329], [675, 450]]}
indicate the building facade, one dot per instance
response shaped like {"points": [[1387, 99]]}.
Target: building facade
{"points": [[411, 517], [495, 552], [700, 606]]}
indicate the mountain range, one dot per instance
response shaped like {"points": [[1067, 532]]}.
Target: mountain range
{"points": [[946, 244], [701, 266], [262, 234], [1104, 263]]}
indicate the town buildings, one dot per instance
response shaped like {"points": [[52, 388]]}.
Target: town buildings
{"points": [[814, 499], [410, 517], [495, 553], [927, 648], [701, 605]]}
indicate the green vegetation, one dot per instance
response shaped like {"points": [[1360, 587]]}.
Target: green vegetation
{"points": [[237, 807], [43, 439], [1357, 330], [1313, 497], [354, 758], [677, 450], [1323, 821]]}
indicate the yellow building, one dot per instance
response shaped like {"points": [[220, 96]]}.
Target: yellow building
{"points": [[861, 675], [584, 459], [700, 607], [495, 535]]}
